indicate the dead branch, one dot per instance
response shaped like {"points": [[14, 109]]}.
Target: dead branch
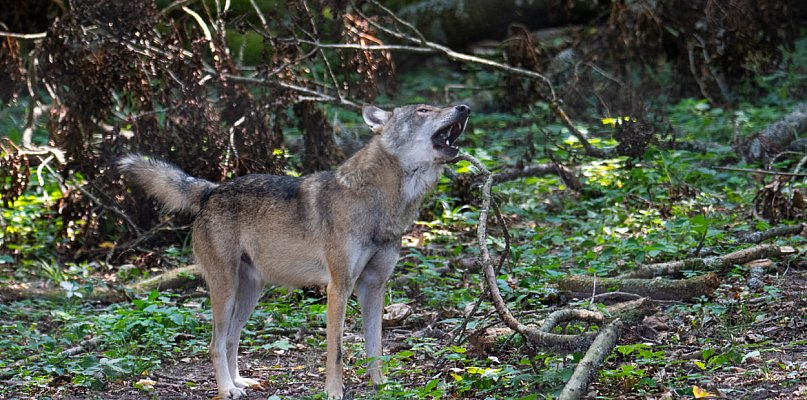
{"points": [[658, 289], [557, 317], [629, 312], [587, 367], [788, 230], [555, 342], [83, 346], [363, 47], [26, 36], [454, 55], [614, 297], [175, 5], [758, 237], [715, 263], [306, 94]]}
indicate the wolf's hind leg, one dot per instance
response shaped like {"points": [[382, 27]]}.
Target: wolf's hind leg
{"points": [[220, 275], [249, 287]]}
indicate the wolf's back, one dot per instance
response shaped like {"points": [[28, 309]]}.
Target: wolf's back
{"points": [[176, 190]]}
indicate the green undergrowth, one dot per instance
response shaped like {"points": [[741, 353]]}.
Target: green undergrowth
{"points": [[48, 342]]}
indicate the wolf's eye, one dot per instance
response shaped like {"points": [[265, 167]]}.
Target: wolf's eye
{"points": [[423, 110]]}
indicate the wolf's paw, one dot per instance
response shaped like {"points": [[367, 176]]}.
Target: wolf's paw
{"points": [[231, 394], [242, 382]]}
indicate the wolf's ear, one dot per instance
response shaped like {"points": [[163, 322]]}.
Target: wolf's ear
{"points": [[375, 117]]}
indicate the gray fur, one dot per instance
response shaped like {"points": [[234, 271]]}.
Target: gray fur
{"points": [[173, 188], [341, 229]]}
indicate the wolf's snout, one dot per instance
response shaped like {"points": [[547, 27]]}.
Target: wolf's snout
{"points": [[462, 108]]}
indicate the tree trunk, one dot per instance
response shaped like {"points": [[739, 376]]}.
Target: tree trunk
{"points": [[460, 22]]}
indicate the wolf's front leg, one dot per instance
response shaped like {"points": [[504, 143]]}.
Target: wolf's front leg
{"points": [[338, 293], [370, 290]]}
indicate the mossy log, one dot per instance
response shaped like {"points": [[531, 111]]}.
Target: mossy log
{"points": [[171, 279], [657, 289]]}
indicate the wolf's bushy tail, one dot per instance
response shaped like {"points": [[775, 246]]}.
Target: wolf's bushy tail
{"points": [[176, 190]]}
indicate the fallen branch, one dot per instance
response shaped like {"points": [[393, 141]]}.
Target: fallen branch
{"points": [[557, 317], [563, 343], [539, 336], [657, 289], [632, 312], [715, 263], [518, 173], [759, 237], [587, 367], [27, 36], [628, 312], [787, 230]]}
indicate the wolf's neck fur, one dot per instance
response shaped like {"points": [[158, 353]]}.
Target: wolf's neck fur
{"points": [[375, 165], [418, 180]]}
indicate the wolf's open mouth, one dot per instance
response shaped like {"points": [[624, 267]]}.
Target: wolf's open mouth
{"points": [[445, 137]]}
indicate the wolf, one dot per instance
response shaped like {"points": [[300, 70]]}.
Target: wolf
{"points": [[340, 229]]}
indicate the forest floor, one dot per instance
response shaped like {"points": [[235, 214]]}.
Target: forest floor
{"points": [[747, 340], [743, 343]]}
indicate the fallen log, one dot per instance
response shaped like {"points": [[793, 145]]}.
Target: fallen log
{"points": [[657, 289], [714, 263], [171, 279]]}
